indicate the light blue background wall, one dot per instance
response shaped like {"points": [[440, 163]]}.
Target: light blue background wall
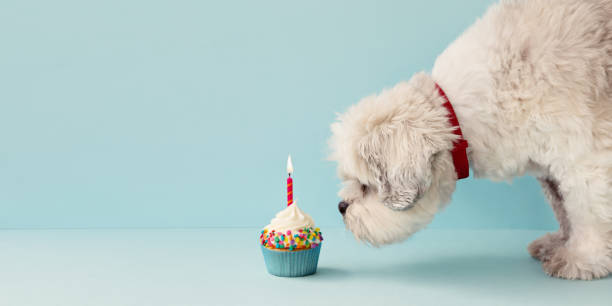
{"points": [[182, 113]]}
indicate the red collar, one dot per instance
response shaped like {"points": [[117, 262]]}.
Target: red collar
{"points": [[462, 165]]}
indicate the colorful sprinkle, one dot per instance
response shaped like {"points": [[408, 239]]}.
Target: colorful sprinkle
{"points": [[304, 238]]}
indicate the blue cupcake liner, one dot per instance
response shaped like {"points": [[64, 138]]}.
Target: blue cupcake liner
{"points": [[291, 263]]}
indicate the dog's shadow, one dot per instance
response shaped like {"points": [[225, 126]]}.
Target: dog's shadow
{"points": [[448, 269], [489, 276], [459, 268], [486, 277]]}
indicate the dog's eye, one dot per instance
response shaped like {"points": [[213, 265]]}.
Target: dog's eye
{"points": [[364, 188]]}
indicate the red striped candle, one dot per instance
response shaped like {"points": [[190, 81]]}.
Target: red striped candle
{"points": [[289, 181], [289, 190]]}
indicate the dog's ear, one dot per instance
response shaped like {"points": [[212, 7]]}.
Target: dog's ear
{"points": [[401, 132], [400, 163]]}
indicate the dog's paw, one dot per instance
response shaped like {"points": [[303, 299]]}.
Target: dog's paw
{"points": [[567, 264], [544, 247]]}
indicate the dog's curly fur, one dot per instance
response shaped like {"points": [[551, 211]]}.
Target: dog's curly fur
{"points": [[531, 83]]}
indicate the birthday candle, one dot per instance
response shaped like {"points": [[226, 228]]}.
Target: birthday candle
{"points": [[289, 181]]}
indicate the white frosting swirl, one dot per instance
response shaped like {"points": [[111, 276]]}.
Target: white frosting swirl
{"points": [[291, 218]]}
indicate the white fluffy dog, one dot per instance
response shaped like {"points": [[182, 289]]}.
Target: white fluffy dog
{"points": [[531, 86]]}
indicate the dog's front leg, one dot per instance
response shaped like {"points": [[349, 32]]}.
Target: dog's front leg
{"points": [[544, 247], [587, 199]]}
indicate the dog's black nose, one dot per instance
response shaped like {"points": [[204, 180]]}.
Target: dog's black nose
{"points": [[342, 206]]}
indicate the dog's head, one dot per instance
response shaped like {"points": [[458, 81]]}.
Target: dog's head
{"points": [[393, 157]]}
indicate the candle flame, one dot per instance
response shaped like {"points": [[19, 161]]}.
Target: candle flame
{"points": [[289, 165]]}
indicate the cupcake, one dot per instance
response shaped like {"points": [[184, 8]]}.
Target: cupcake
{"points": [[291, 244]]}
